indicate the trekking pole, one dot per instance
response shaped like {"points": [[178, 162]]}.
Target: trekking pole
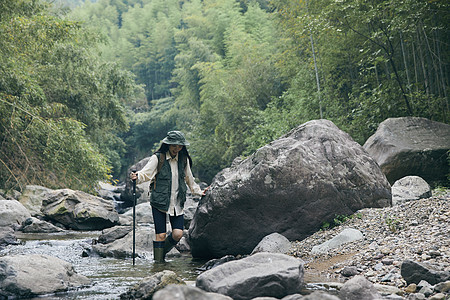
{"points": [[134, 217]]}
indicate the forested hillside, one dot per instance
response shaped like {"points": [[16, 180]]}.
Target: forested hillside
{"points": [[233, 75]]}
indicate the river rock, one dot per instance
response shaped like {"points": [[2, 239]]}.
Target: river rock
{"points": [[12, 213], [31, 275], [109, 235], [79, 210], [410, 188], [148, 286], [317, 295], [34, 225], [143, 213], [346, 236], [262, 274], [414, 272], [359, 288], [7, 236], [123, 247], [411, 146], [186, 292], [290, 186], [274, 243], [32, 198]]}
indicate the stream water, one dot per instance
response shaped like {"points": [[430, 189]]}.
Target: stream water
{"points": [[109, 277]]}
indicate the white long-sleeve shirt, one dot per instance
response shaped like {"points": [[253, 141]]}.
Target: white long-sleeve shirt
{"points": [[149, 172]]}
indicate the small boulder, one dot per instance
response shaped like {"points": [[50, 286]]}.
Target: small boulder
{"points": [[148, 286], [79, 210], [346, 236], [186, 292], [34, 225], [32, 275], [414, 272], [359, 288], [261, 274], [410, 188], [274, 243], [12, 213]]}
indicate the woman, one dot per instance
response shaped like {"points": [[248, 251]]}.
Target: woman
{"points": [[168, 170]]}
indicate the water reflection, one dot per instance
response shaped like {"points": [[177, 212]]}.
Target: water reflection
{"points": [[110, 277]]}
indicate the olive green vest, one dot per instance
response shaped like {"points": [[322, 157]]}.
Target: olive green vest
{"points": [[161, 189]]}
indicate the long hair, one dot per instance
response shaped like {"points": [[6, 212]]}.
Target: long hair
{"points": [[184, 152]]}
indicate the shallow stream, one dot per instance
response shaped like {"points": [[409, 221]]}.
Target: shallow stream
{"points": [[109, 277]]}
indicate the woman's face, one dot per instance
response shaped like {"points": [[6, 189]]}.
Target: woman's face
{"points": [[174, 149]]}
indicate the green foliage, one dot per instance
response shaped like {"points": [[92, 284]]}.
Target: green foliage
{"points": [[235, 75], [339, 220], [393, 223], [60, 105]]}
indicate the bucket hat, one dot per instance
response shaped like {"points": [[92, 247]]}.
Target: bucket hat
{"points": [[175, 138]]}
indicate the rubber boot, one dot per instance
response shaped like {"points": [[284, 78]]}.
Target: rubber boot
{"points": [[158, 251], [169, 243]]}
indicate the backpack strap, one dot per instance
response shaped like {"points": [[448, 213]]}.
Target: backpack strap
{"points": [[161, 158]]}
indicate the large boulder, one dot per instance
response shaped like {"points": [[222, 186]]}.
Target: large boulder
{"points": [[262, 274], [31, 275], [290, 186], [12, 213], [32, 198], [79, 210], [411, 146]]}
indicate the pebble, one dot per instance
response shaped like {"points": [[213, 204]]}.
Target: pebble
{"points": [[422, 235]]}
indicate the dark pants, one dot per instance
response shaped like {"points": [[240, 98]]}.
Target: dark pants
{"points": [[159, 218]]}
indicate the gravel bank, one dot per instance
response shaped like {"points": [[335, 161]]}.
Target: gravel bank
{"points": [[417, 230]]}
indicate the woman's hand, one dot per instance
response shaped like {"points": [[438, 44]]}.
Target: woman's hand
{"points": [[204, 191]]}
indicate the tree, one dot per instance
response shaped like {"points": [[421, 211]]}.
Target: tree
{"points": [[59, 104]]}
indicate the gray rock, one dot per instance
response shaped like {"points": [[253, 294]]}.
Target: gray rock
{"points": [[7, 236], [109, 235], [274, 243], [359, 288], [185, 292], [79, 210], [34, 225], [216, 262], [148, 286], [143, 213], [12, 213], [123, 247], [32, 198], [346, 236], [307, 177], [298, 297], [262, 274], [411, 146], [410, 188], [442, 287], [31, 275], [416, 296], [349, 271], [414, 272], [319, 295]]}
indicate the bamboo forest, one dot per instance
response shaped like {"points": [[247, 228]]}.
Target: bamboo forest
{"points": [[89, 88]]}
